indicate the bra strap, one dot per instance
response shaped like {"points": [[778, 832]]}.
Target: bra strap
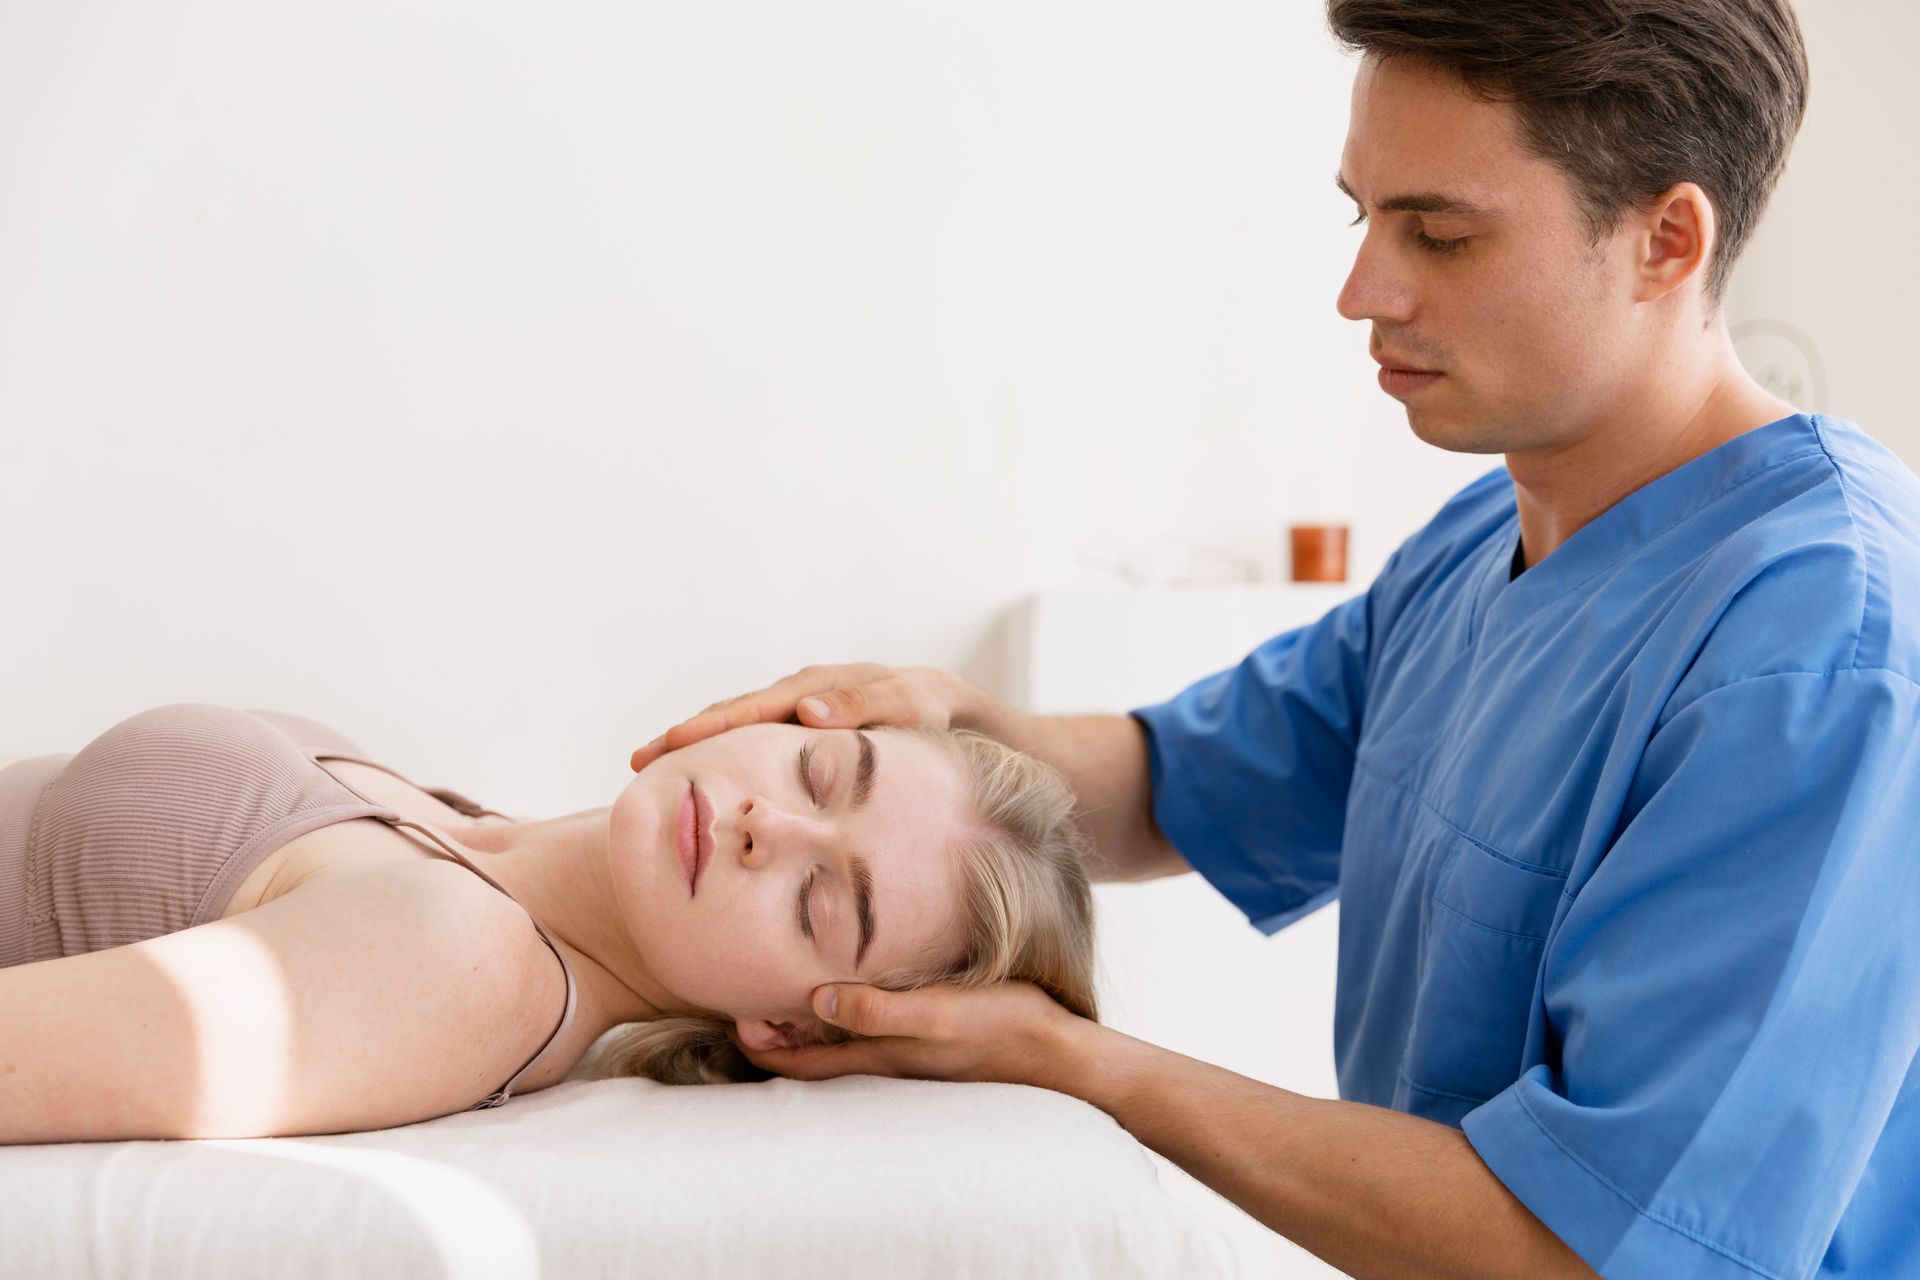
{"points": [[460, 804], [505, 1091], [391, 817]]}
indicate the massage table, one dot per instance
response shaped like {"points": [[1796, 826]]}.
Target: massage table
{"points": [[855, 1177]]}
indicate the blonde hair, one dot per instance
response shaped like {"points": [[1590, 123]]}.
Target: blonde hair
{"points": [[1027, 913]]}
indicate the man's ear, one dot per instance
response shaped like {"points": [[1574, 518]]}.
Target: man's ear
{"points": [[1678, 230], [760, 1035]]}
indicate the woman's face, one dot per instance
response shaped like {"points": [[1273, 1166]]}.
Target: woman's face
{"points": [[734, 942]]}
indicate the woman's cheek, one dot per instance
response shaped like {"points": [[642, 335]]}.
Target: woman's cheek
{"points": [[772, 976]]}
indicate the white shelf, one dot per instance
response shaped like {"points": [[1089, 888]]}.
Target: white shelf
{"points": [[1111, 650]]}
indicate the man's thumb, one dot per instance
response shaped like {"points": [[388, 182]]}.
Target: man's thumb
{"points": [[827, 1004], [848, 707]]}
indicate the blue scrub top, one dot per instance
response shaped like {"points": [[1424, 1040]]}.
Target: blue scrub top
{"points": [[1627, 850]]}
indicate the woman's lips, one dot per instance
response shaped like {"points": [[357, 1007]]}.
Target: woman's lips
{"points": [[702, 834], [686, 829], [693, 824]]}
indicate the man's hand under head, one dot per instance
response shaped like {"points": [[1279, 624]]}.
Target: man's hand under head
{"points": [[842, 697], [1004, 1033]]}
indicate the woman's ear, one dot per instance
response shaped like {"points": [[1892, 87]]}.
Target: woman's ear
{"points": [[760, 1035]]}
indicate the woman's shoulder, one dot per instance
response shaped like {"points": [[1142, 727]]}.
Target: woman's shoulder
{"points": [[436, 923], [451, 907], [355, 1002]]}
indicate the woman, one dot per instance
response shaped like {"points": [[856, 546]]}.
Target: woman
{"points": [[724, 883]]}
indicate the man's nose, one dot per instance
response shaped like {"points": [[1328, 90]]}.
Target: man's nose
{"points": [[1373, 289]]}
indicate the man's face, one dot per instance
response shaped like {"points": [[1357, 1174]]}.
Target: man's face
{"points": [[1479, 269]]}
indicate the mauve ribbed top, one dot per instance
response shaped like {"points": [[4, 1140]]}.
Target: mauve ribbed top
{"points": [[151, 827]]}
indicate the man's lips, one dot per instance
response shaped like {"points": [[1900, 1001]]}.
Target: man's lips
{"points": [[1397, 365], [1399, 379]]}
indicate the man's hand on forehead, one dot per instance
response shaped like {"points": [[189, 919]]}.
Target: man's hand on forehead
{"points": [[845, 696]]}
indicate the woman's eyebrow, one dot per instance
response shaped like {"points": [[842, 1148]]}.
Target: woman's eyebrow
{"points": [[863, 772]]}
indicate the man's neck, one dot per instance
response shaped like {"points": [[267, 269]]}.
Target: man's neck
{"points": [[1559, 489]]}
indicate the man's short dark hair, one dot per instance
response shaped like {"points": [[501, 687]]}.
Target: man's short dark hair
{"points": [[1627, 97]]}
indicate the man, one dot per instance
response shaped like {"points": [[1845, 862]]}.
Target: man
{"points": [[1616, 766]]}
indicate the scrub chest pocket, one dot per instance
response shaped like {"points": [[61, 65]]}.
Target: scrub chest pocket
{"points": [[1477, 969]]}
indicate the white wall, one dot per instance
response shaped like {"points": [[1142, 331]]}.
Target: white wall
{"points": [[1825, 292], [503, 383], [500, 383]]}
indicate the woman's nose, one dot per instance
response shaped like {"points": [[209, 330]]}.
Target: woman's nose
{"points": [[769, 831]]}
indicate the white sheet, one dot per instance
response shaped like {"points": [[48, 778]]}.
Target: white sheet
{"points": [[846, 1178]]}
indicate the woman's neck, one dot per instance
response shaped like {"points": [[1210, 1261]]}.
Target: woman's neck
{"points": [[558, 869]]}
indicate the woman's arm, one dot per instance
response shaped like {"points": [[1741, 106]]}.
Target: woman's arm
{"points": [[348, 1004]]}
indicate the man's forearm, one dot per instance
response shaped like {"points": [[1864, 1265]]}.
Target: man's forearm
{"points": [[1374, 1192], [1105, 757]]}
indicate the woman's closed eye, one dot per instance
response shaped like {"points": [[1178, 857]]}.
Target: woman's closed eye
{"points": [[806, 886]]}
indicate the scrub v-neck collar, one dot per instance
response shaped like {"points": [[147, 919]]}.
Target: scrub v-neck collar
{"points": [[1633, 522]]}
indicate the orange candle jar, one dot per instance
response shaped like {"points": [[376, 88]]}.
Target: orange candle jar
{"points": [[1319, 552]]}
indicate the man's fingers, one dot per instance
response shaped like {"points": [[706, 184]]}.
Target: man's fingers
{"points": [[823, 1061], [922, 1014], [887, 700], [844, 696], [731, 714], [849, 707]]}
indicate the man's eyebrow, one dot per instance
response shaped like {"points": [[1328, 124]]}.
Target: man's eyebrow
{"points": [[1419, 202]]}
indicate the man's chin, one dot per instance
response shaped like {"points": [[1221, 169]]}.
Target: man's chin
{"points": [[1448, 431]]}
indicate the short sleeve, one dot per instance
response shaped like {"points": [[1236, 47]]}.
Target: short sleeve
{"points": [[1732, 999], [1250, 766]]}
